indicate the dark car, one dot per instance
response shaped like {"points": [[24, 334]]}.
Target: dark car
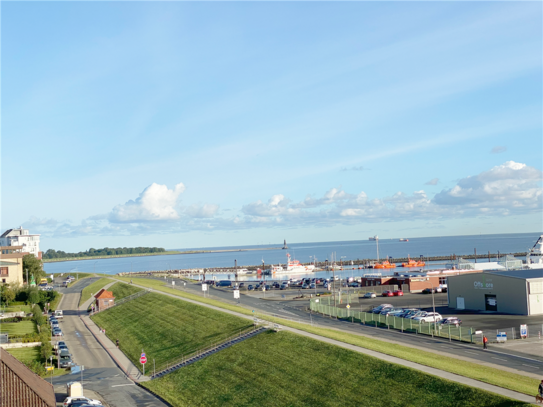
{"points": [[354, 284], [250, 287], [276, 285], [224, 283], [241, 285], [429, 290]]}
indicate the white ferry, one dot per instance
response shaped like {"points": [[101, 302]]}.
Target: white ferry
{"points": [[293, 266], [374, 238], [534, 257]]}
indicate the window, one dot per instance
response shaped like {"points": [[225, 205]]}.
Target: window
{"points": [[4, 271]]}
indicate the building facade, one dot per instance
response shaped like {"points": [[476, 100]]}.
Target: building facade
{"points": [[22, 237], [511, 292], [104, 300]]}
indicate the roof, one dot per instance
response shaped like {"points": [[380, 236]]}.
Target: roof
{"points": [[102, 294], [35, 384], [8, 263], [524, 274], [6, 233], [99, 292]]}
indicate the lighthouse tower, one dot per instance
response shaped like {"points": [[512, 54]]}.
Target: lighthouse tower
{"points": [[285, 245]]}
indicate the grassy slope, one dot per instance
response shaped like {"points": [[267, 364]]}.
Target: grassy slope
{"points": [[18, 308], [164, 327], [121, 290], [93, 289], [27, 354], [18, 328], [512, 381], [284, 369]]}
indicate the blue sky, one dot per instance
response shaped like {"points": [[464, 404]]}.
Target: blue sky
{"points": [[211, 124]]}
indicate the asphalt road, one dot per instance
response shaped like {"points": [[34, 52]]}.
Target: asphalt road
{"points": [[297, 310], [101, 374]]}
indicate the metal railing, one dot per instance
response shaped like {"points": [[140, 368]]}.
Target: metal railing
{"points": [[131, 297], [159, 368]]}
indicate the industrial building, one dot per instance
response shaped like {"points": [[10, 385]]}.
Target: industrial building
{"points": [[511, 292]]}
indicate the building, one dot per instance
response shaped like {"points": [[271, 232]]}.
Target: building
{"points": [[512, 292], [21, 237], [20, 387], [11, 265], [104, 300]]}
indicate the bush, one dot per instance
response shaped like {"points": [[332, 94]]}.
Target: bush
{"points": [[36, 367], [38, 317]]}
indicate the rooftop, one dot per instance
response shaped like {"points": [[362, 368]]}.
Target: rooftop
{"points": [[525, 274], [103, 294]]}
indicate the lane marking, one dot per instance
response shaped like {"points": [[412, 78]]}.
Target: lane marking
{"points": [[473, 353], [120, 385], [533, 367], [505, 360]]}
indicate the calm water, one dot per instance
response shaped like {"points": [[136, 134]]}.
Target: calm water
{"points": [[305, 252]]}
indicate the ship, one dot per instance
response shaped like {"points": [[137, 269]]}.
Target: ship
{"points": [[384, 265], [534, 257], [293, 266], [413, 263], [404, 240], [374, 238]]}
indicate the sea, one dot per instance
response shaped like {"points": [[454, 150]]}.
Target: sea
{"points": [[342, 251]]}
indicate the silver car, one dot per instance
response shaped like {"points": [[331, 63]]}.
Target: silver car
{"points": [[370, 295]]}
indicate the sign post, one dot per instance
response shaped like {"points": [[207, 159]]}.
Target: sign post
{"points": [[523, 331], [143, 361], [236, 295], [204, 289]]}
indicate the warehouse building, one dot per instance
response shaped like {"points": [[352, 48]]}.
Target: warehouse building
{"points": [[511, 292]]}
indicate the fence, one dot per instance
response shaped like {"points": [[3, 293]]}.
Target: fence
{"points": [[532, 331], [390, 322], [131, 297]]}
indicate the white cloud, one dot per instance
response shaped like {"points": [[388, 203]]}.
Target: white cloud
{"points": [[202, 211], [155, 203], [498, 149], [510, 186], [507, 189], [433, 181]]}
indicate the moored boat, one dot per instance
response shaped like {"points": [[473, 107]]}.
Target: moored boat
{"points": [[293, 266], [384, 265]]}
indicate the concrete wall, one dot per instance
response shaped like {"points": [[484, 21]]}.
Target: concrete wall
{"points": [[18, 345], [510, 292]]}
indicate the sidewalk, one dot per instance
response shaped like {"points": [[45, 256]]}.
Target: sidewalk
{"points": [[391, 359], [120, 359]]}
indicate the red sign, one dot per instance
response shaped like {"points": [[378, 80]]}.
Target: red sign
{"points": [[143, 360]]}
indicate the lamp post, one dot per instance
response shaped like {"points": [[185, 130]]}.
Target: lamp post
{"points": [[433, 304]]}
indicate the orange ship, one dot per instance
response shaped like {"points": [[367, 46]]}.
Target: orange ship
{"points": [[384, 265], [413, 263]]}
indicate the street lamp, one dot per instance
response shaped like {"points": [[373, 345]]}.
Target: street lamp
{"points": [[433, 303]]}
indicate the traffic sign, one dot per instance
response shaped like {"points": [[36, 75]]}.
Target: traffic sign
{"points": [[478, 332], [348, 306], [523, 331], [236, 293], [204, 287], [143, 360]]}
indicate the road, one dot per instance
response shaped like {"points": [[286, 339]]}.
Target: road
{"points": [[502, 357], [101, 374]]}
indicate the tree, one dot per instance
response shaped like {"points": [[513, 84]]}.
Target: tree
{"points": [[34, 267], [34, 296], [7, 293]]}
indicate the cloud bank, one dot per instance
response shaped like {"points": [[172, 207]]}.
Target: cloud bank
{"points": [[507, 189]]}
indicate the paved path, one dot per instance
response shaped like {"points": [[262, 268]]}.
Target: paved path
{"points": [[101, 375], [436, 372]]}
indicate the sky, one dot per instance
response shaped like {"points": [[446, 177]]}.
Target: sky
{"points": [[204, 124]]}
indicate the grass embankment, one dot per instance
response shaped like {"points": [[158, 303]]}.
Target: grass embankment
{"points": [[284, 369], [18, 308], [108, 257], [122, 290], [93, 288], [18, 328], [165, 328], [26, 355], [507, 380]]}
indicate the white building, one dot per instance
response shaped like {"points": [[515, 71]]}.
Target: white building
{"points": [[21, 237]]}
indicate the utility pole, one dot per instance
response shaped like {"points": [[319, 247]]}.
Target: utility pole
{"points": [[27, 282]]}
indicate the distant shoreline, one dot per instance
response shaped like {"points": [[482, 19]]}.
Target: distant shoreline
{"points": [[156, 254]]}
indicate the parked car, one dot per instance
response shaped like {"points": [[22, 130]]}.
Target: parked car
{"points": [[409, 311], [224, 283], [451, 321], [241, 285], [429, 290], [370, 295], [416, 314], [65, 361], [57, 332], [313, 285], [250, 287], [354, 284], [276, 285], [59, 343], [387, 293], [69, 400], [398, 293], [387, 311], [429, 317], [379, 308], [62, 348], [305, 285]]}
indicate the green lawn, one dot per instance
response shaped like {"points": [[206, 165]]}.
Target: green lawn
{"points": [[165, 327], [284, 369], [18, 328], [121, 290], [508, 380], [93, 289], [18, 308], [27, 354]]}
